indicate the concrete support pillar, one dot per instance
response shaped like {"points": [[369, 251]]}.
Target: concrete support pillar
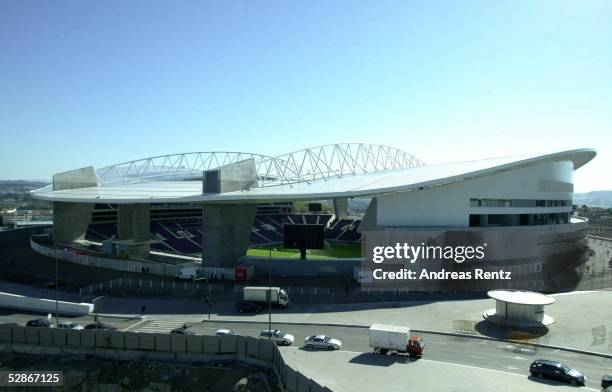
{"points": [[70, 220], [341, 207], [125, 221], [370, 218], [134, 227], [226, 230]]}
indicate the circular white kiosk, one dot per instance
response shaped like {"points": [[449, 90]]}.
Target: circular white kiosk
{"points": [[517, 308]]}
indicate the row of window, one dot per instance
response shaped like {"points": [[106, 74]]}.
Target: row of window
{"points": [[477, 220], [519, 203]]}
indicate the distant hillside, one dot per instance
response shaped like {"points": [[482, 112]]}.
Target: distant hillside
{"points": [[594, 199], [33, 184]]}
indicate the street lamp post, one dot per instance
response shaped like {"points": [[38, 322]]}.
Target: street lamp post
{"points": [[270, 295], [56, 296]]}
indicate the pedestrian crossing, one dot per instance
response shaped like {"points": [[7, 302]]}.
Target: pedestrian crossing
{"points": [[159, 326]]}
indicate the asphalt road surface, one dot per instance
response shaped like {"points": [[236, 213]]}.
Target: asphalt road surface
{"points": [[469, 352]]}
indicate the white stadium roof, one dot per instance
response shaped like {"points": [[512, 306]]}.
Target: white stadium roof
{"points": [[339, 170]]}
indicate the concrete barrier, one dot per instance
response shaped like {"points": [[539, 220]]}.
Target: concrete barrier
{"points": [[247, 349], [46, 336], [291, 379], [88, 338], [14, 301], [132, 340], [73, 338], [266, 350], [211, 344], [195, 344], [117, 340], [162, 342], [227, 344], [60, 337], [5, 333], [102, 339], [252, 347], [303, 383], [147, 341]]}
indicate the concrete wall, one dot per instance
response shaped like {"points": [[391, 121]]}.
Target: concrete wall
{"points": [[230, 178], [519, 312], [42, 305], [106, 262], [134, 346], [70, 220], [75, 179], [294, 267], [449, 205]]}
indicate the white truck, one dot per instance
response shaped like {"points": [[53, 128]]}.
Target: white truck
{"points": [[259, 295], [394, 339]]}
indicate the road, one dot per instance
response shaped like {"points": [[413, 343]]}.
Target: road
{"points": [[461, 351]]}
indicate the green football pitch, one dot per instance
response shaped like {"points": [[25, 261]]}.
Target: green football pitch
{"points": [[332, 250]]}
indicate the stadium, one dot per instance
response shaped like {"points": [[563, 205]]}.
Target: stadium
{"points": [[215, 206]]}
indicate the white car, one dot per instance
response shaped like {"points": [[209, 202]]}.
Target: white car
{"points": [[278, 336], [70, 325], [226, 332], [323, 342]]}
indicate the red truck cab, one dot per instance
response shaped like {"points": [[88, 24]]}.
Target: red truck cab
{"points": [[416, 346]]}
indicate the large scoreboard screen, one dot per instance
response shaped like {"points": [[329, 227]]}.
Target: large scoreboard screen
{"points": [[303, 236]]}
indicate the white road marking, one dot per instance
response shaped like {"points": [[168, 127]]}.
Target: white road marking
{"points": [[133, 325], [161, 326], [520, 358]]}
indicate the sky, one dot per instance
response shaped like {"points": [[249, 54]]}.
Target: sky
{"points": [[102, 82]]}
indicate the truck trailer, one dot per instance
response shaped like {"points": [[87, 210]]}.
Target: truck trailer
{"points": [[259, 295], [393, 339]]}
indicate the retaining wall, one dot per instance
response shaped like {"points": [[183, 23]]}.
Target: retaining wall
{"points": [[165, 347], [15, 301]]}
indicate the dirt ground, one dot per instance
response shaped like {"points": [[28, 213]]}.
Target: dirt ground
{"points": [[87, 374]]}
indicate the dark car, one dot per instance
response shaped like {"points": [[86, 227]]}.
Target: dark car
{"points": [[248, 307], [184, 330], [43, 323], [557, 371], [606, 381], [56, 283], [100, 326]]}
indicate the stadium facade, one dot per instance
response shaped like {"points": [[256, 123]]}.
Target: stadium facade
{"points": [[521, 206]]}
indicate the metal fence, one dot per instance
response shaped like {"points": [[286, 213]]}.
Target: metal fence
{"points": [[129, 285]]}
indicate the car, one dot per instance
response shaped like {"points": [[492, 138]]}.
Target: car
{"points": [[100, 326], [279, 337], [42, 323], [56, 283], [606, 381], [184, 330], [248, 307], [70, 325], [323, 342], [557, 371], [226, 332]]}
